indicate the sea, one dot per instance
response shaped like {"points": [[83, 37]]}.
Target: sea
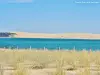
{"points": [[50, 43]]}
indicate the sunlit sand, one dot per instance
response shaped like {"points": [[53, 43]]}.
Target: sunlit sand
{"points": [[63, 35], [41, 62]]}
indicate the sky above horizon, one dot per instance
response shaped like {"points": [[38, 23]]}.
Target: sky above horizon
{"points": [[50, 16]]}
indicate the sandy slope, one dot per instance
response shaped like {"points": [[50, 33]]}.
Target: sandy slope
{"points": [[65, 35]]}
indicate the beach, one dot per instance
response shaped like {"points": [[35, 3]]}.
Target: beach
{"points": [[59, 35], [46, 62]]}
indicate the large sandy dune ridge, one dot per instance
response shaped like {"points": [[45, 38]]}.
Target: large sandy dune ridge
{"points": [[60, 35]]}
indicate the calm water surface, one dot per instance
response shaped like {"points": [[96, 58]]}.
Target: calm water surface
{"points": [[39, 43]]}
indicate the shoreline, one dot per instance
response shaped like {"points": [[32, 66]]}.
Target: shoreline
{"points": [[57, 36], [87, 36], [49, 38], [54, 50]]}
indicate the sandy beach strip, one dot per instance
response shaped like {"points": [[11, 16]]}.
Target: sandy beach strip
{"points": [[59, 35]]}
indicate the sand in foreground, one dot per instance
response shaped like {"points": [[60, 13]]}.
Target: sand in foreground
{"points": [[39, 62]]}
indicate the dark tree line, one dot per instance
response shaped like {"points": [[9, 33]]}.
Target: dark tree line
{"points": [[7, 34]]}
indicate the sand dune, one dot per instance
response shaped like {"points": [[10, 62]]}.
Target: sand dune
{"points": [[41, 62], [65, 35]]}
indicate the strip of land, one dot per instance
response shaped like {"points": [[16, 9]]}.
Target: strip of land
{"points": [[64, 35]]}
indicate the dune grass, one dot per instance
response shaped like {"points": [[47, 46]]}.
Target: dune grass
{"points": [[83, 62]]}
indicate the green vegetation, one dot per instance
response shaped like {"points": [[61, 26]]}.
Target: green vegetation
{"points": [[12, 35]]}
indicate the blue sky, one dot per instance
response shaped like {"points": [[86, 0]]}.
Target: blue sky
{"points": [[50, 16]]}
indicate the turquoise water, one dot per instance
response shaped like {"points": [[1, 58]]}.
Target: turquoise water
{"points": [[39, 43]]}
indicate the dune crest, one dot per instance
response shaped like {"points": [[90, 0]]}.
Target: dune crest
{"points": [[64, 35]]}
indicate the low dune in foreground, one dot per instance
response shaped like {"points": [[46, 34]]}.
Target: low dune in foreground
{"points": [[65, 35], [41, 62]]}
